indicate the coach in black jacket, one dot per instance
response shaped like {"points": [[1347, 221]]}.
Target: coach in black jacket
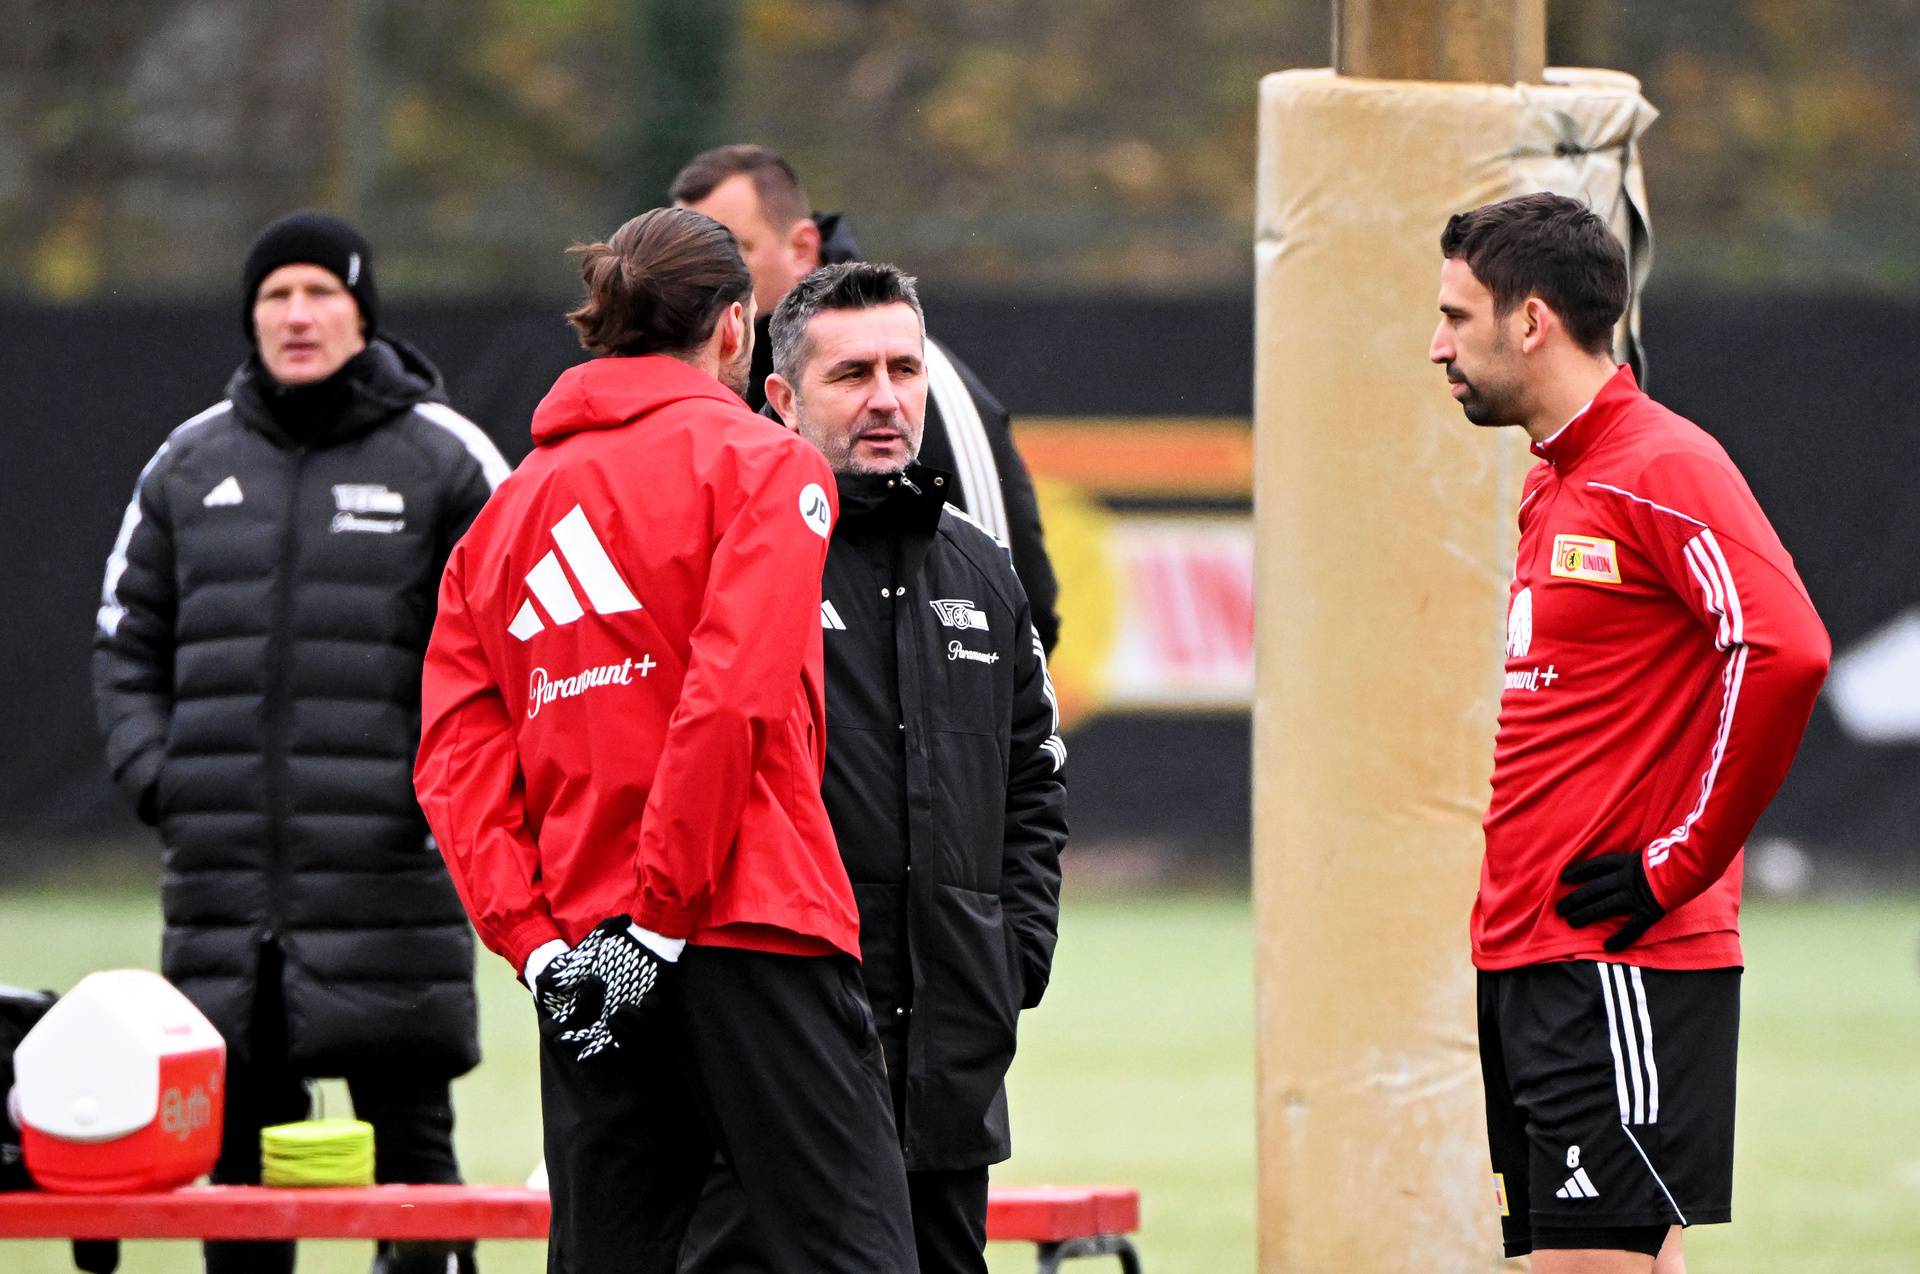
{"points": [[967, 433], [257, 675], [944, 760]]}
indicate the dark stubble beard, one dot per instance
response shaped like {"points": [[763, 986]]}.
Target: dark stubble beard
{"points": [[1489, 406], [736, 373], [898, 423], [839, 451]]}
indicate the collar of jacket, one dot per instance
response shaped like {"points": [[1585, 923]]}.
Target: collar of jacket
{"points": [[761, 367], [606, 393], [1581, 434], [909, 501], [836, 238], [382, 381]]}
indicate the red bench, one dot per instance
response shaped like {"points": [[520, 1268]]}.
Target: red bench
{"points": [[1063, 1221]]}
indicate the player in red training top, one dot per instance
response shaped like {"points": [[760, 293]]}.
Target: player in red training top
{"points": [[1662, 659], [623, 717]]}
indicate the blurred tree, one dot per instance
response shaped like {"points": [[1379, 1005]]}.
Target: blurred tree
{"points": [[988, 144], [137, 141], [684, 57], [1785, 154]]}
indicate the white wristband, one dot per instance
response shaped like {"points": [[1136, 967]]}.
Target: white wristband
{"points": [[543, 955], [667, 949]]}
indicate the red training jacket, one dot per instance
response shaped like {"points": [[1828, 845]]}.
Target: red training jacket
{"points": [[1662, 661], [623, 706]]}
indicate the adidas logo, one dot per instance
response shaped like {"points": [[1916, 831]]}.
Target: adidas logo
{"points": [[228, 492], [830, 618], [1579, 1186], [606, 591]]}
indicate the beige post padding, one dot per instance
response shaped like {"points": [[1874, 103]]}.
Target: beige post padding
{"points": [[1385, 527]]}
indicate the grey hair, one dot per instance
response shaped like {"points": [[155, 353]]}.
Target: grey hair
{"points": [[851, 285]]}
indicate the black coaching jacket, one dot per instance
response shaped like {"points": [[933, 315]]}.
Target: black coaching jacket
{"points": [[257, 676], [967, 434], [945, 785]]}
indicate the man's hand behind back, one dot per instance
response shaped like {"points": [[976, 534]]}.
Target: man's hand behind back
{"points": [[597, 996]]}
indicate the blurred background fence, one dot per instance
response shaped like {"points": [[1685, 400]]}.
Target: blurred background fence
{"points": [[1133, 413], [1074, 185]]}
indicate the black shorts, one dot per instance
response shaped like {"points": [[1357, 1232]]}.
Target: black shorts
{"points": [[1609, 1096]]}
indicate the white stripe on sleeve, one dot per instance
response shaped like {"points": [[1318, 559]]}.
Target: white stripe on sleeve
{"points": [[492, 464], [1703, 573], [1721, 595], [978, 525], [972, 449], [1055, 746], [1736, 617], [111, 611], [1731, 678]]}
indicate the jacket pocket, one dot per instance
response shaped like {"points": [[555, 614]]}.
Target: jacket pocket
{"points": [[965, 1003], [855, 1010], [163, 795], [1016, 965]]}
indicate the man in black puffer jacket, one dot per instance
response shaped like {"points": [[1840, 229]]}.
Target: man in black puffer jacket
{"points": [[257, 676], [945, 776]]}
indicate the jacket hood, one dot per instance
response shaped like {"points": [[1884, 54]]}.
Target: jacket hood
{"points": [[607, 393], [382, 381], [836, 238]]}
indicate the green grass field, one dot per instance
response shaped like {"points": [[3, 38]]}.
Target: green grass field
{"points": [[1138, 1069]]}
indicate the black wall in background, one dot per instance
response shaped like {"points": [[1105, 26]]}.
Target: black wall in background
{"points": [[1814, 398]]}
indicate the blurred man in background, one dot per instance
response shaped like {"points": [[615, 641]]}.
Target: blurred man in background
{"points": [[257, 676], [945, 765], [622, 760], [1662, 661], [756, 194]]}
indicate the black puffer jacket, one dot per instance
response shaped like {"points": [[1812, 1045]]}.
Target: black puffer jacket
{"points": [[257, 675], [967, 434], [946, 790]]}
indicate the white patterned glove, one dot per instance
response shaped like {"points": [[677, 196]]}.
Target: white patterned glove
{"points": [[596, 996]]}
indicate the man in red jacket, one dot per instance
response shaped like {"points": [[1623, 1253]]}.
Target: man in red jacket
{"points": [[1662, 659], [623, 744]]}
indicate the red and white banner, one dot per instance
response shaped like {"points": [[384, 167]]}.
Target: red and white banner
{"points": [[1184, 636]]}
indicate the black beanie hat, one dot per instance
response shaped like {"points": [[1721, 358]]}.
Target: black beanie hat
{"points": [[311, 238]]}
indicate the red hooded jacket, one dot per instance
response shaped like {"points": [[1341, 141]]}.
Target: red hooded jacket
{"points": [[623, 706]]}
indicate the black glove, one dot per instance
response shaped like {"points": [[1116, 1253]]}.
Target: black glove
{"points": [[1611, 885], [596, 995]]}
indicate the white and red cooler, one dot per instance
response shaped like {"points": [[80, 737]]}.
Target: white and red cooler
{"points": [[120, 1087]]}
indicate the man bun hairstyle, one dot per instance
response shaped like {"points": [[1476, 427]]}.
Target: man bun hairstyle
{"points": [[783, 200], [851, 285], [1548, 246], [658, 284]]}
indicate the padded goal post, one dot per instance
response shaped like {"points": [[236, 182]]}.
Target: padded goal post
{"points": [[1385, 536]]}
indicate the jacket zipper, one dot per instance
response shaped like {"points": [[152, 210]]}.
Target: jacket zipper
{"points": [[279, 642], [908, 676]]}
